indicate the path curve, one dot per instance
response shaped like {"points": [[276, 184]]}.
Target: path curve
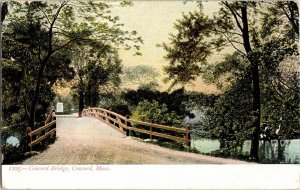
{"points": [[90, 141]]}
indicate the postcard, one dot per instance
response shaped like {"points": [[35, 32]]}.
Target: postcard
{"points": [[150, 94]]}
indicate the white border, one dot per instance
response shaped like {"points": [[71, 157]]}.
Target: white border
{"points": [[252, 176]]}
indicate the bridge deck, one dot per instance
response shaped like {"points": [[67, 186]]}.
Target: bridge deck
{"points": [[90, 141]]}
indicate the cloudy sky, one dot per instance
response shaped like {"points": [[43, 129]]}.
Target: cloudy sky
{"points": [[154, 21]]}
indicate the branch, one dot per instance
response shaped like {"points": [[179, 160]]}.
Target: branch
{"points": [[231, 42], [282, 97], [286, 14], [52, 24], [230, 33], [291, 17], [286, 86], [45, 15], [234, 15], [65, 45], [223, 32]]}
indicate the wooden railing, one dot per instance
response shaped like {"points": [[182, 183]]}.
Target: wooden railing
{"points": [[45, 132], [128, 126]]}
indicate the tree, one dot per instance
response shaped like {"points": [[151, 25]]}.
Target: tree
{"points": [[279, 73], [229, 118], [236, 25], [156, 113], [4, 11], [175, 101], [19, 71], [141, 76], [188, 48], [97, 70], [64, 24]]}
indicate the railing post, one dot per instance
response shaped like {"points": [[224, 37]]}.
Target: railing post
{"points": [[126, 123], [109, 117], [106, 117], [188, 136], [28, 139], [44, 123], [151, 130], [96, 113], [88, 112], [119, 123], [54, 119]]}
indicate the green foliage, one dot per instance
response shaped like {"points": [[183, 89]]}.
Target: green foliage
{"points": [[39, 38], [23, 38], [227, 72], [175, 101], [281, 13], [97, 72], [254, 84], [68, 103], [114, 103], [199, 100], [230, 117], [188, 47], [11, 153], [141, 77], [156, 113], [280, 99]]}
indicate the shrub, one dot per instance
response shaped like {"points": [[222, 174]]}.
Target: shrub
{"points": [[156, 113], [121, 109], [11, 153]]}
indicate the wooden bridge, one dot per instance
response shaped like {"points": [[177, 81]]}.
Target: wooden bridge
{"points": [[104, 137]]}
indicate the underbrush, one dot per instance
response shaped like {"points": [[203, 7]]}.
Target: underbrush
{"points": [[227, 154], [11, 154], [172, 145], [15, 155]]}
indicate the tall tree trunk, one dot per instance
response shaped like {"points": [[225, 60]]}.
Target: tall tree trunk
{"points": [[89, 96], [255, 83], [256, 109], [37, 92], [43, 66], [81, 97]]}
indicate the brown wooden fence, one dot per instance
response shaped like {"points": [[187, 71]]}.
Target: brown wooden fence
{"points": [[126, 126], [45, 132]]}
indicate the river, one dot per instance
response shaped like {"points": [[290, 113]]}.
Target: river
{"points": [[287, 151]]}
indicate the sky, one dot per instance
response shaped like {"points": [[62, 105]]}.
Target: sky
{"points": [[154, 21]]}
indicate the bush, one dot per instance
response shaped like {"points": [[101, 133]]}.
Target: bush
{"points": [[153, 112], [115, 104], [11, 153], [175, 102], [121, 109]]}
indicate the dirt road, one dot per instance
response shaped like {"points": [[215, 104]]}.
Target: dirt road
{"points": [[89, 141]]}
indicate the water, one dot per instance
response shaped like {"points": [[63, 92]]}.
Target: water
{"points": [[285, 151], [206, 145]]}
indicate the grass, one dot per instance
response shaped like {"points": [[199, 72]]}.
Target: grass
{"points": [[172, 145]]}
